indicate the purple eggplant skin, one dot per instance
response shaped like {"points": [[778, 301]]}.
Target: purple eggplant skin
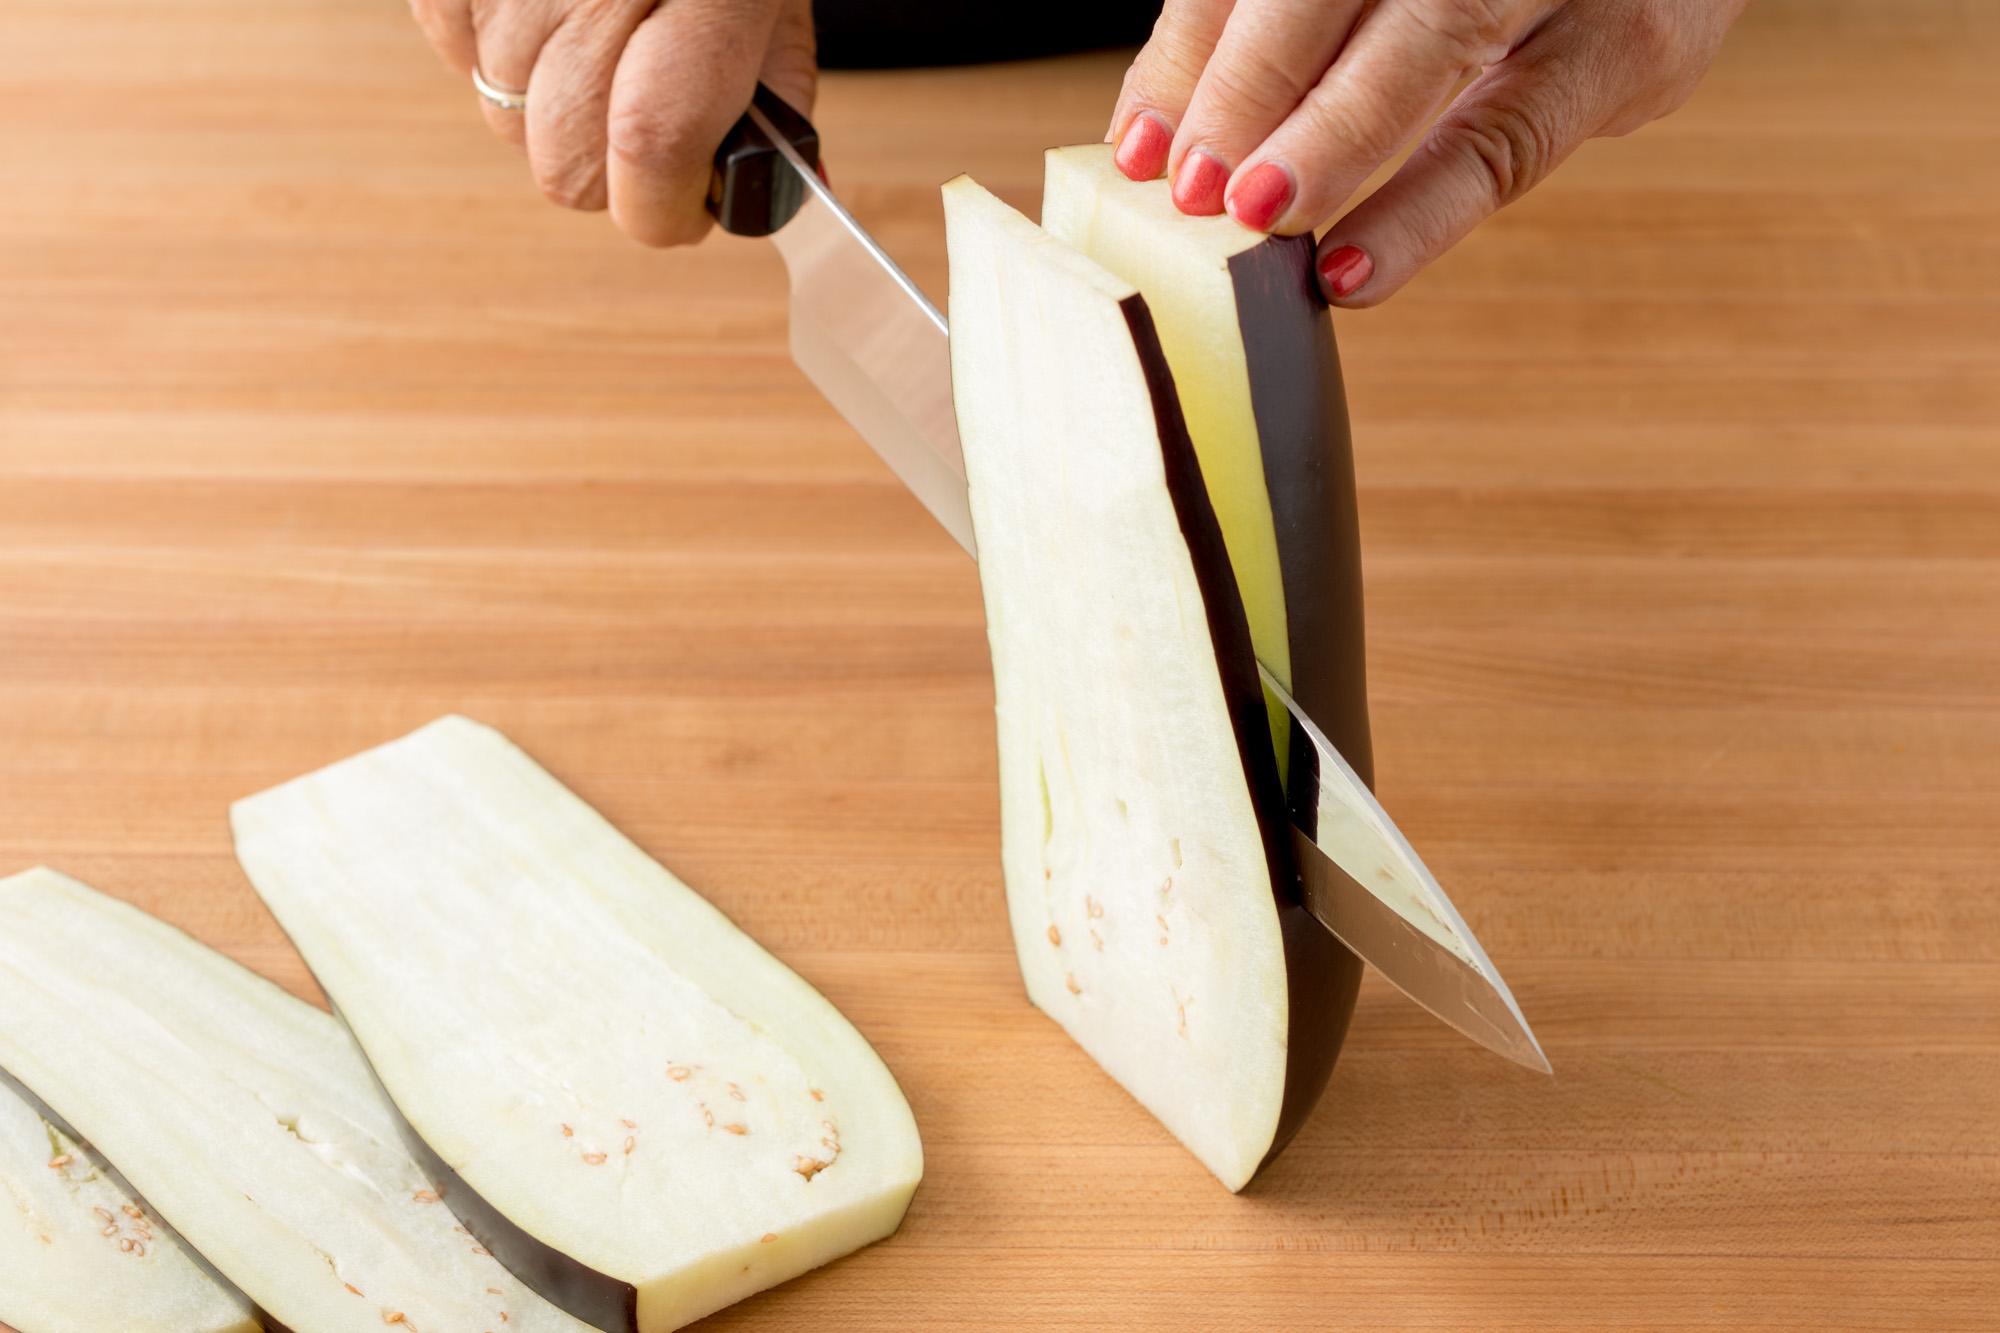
{"points": [[1322, 976], [1300, 405], [1301, 409]]}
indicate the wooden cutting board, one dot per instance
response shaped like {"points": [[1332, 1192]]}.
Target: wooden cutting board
{"points": [[1681, 502]]}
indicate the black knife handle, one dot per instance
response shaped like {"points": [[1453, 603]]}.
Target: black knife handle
{"points": [[753, 192]]}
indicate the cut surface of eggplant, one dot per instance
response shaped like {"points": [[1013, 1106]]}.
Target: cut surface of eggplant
{"points": [[244, 1116], [1149, 881], [81, 1253], [1250, 344], [637, 1097]]}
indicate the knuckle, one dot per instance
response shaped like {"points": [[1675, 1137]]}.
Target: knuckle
{"points": [[1161, 77], [1479, 31], [1251, 81], [1363, 124], [644, 135], [1510, 148], [573, 184], [1175, 53], [1648, 38]]}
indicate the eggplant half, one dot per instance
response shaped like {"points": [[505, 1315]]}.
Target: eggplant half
{"points": [[1153, 899], [81, 1253], [244, 1116], [1250, 342], [642, 1112]]}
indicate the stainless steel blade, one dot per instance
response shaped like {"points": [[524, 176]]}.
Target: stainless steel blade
{"points": [[871, 341], [874, 345], [1363, 881]]}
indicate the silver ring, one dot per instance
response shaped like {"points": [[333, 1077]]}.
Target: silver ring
{"points": [[504, 98]]}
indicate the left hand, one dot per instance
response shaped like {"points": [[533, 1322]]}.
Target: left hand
{"points": [[1278, 110]]}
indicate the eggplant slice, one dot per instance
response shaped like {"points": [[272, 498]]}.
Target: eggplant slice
{"points": [[1153, 899], [80, 1252], [1250, 343], [647, 1115], [244, 1116]]}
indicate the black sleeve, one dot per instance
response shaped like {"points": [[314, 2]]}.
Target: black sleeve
{"points": [[883, 34]]}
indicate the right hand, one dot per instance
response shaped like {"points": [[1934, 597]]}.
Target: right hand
{"points": [[627, 99]]}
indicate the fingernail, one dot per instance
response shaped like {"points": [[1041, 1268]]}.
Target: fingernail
{"points": [[1198, 184], [1142, 153], [1260, 195], [1343, 269]]}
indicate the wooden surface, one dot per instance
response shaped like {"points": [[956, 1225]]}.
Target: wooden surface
{"points": [[1681, 503]]}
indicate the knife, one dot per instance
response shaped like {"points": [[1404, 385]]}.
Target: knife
{"points": [[879, 351]]}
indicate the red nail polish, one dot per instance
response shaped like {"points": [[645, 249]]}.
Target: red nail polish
{"points": [[1343, 270], [1260, 195], [1142, 153], [1198, 184]]}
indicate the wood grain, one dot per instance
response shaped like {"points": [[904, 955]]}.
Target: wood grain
{"points": [[1681, 502]]}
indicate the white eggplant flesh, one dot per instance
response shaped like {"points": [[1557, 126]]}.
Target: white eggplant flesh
{"points": [[658, 1114], [81, 1253], [1140, 803], [244, 1116], [1181, 265]]}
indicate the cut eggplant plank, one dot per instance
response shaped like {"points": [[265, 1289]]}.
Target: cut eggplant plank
{"points": [[1250, 343], [80, 1252], [246, 1117], [1149, 881], [653, 1104]]}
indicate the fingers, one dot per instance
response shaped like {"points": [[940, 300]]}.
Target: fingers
{"points": [[1161, 82], [685, 76], [508, 36], [1269, 54], [1400, 64], [448, 26], [569, 101], [1502, 136]]}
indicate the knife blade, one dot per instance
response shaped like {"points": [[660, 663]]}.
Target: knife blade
{"points": [[878, 349]]}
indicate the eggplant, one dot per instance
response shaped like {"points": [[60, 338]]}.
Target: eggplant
{"points": [[646, 1115], [1153, 899], [245, 1117], [1250, 342], [80, 1252]]}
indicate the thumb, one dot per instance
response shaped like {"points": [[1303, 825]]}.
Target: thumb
{"points": [[791, 61]]}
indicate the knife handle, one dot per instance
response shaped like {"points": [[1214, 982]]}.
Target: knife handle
{"points": [[753, 192]]}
